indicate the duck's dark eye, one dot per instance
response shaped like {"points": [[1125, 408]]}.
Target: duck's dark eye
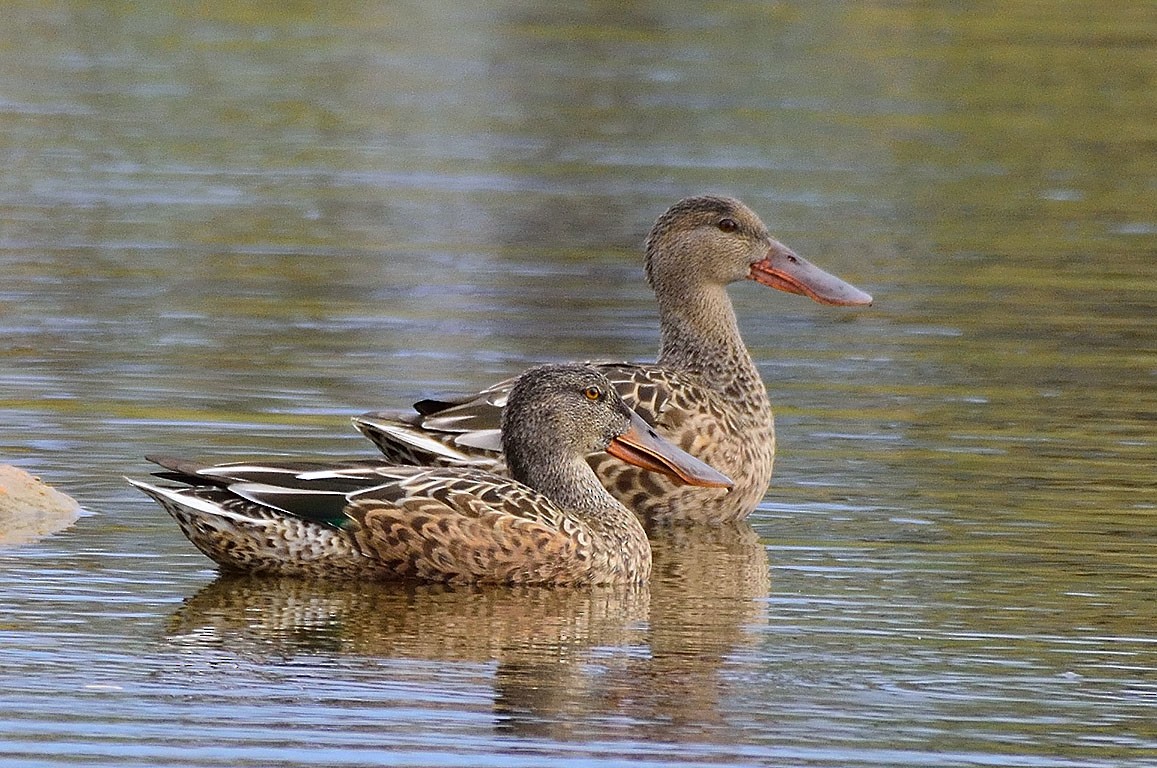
{"points": [[728, 225], [594, 394]]}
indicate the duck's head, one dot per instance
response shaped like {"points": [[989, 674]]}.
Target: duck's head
{"points": [[710, 240], [556, 413]]}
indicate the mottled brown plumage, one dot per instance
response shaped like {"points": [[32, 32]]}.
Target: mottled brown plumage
{"points": [[552, 524], [704, 393]]}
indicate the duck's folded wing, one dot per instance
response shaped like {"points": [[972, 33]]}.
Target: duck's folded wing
{"points": [[466, 431], [349, 474], [466, 526]]}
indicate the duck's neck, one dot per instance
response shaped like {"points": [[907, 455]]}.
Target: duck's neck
{"points": [[700, 335], [575, 488], [572, 485]]}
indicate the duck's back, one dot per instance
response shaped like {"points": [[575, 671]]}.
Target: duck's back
{"points": [[733, 433]]}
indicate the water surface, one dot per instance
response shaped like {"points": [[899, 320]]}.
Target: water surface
{"points": [[226, 229]]}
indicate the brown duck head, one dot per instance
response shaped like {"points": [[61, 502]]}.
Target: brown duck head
{"points": [[556, 415], [710, 240]]}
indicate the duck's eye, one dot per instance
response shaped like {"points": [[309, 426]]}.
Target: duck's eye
{"points": [[594, 394], [728, 225]]}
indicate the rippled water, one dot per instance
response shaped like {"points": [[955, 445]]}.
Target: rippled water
{"points": [[226, 229]]}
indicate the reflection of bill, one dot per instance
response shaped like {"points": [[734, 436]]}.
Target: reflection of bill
{"points": [[709, 590], [568, 661]]}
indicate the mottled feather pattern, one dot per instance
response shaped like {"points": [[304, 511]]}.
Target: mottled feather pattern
{"points": [[251, 538], [427, 524], [427, 539], [734, 435], [450, 524], [704, 393], [492, 528]]}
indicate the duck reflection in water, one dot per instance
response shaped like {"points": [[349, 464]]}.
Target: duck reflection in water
{"points": [[566, 660]]}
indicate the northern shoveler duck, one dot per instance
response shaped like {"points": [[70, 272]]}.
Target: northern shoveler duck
{"points": [[704, 393], [553, 523]]}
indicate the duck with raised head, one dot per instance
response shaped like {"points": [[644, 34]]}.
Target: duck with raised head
{"points": [[705, 393], [552, 522]]}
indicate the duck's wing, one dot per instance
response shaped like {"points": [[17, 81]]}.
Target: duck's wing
{"points": [[264, 491], [343, 475], [427, 523], [466, 431], [462, 431], [455, 524]]}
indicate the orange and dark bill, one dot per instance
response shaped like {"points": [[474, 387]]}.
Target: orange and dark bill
{"points": [[641, 446], [784, 270]]}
